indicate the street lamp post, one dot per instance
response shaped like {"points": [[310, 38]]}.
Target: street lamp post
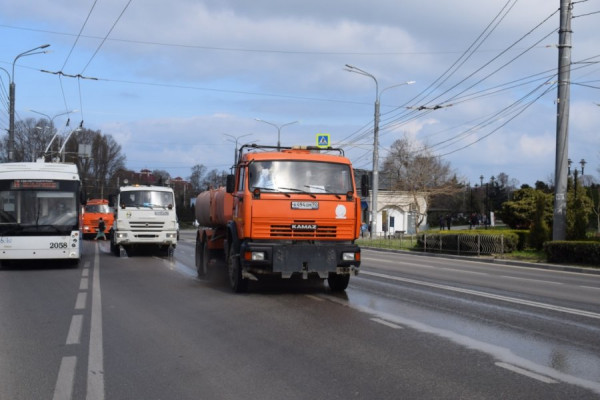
{"points": [[278, 129], [375, 188], [51, 119], [11, 132], [236, 138]]}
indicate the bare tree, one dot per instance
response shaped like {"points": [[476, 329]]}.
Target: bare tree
{"points": [[31, 138], [214, 179], [420, 174], [196, 177], [103, 162], [161, 177]]}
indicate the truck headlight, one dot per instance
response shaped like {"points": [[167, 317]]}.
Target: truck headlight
{"points": [[350, 256], [254, 255], [171, 235]]}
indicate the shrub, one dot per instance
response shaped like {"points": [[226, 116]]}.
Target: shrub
{"points": [[576, 252], [540, 232]]}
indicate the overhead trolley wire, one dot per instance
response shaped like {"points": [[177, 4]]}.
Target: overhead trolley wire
{"points": [[106, 36], [399, 120], [360, 134], [79, 34]]}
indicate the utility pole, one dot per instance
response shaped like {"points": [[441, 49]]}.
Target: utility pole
{"points": [[559, 227], [375, 180]]}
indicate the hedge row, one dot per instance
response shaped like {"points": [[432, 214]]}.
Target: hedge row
{"points": [[573, 252]]}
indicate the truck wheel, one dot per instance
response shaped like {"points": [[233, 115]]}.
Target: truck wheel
{"points": [[238, 284], [338, 282], [114, 248], [206, 256], [200, 267]]}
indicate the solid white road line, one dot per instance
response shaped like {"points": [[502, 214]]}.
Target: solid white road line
{"points": [[525, 372], [95, 376], [386, 323], [488, 295]]}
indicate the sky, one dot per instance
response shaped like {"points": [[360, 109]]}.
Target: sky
{"points": [[178, 83]]}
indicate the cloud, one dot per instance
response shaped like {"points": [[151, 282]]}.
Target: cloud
{"points": [[174, 76]]}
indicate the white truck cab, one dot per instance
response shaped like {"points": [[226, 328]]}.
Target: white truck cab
{"points": [[144, 216]]}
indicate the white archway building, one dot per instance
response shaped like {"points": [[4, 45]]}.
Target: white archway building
{"points": [[397, 212]]}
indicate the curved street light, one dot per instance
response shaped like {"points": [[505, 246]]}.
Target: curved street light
{"points": [[278, 127], [375, 189], [51, 119], [11, 132], [236, 138]]}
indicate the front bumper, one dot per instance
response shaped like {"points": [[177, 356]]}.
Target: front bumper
{"points": [[320, 258], [150, 237]]}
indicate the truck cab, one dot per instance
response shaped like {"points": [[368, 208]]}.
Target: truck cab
{"points": [[92, 212], [295, 211], [144, 216]]}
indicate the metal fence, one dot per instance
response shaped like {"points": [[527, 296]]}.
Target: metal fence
{"points": [[459, 243], [472, 244]]}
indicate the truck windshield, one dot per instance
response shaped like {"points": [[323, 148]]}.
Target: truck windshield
{"points": [[26, 211], [98, 208], [146, 198], [300, 176]]}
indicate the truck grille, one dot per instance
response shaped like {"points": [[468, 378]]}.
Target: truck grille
{"points": [[286, 231], [146, 225]]}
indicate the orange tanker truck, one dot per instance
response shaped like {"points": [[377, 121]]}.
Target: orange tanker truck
{"points": [[94, 209], [285, 211]]}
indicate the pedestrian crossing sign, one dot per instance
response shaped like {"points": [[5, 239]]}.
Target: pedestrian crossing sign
{"points": [[322, 139]]}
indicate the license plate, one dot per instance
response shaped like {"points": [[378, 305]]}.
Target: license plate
{"points": [[305, 205]]}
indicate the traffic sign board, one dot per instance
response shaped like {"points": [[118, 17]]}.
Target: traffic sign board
{"points": [[323, 140]]}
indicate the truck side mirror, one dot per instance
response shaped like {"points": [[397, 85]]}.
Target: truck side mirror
{"points": [[230, 183], [111, 200], [83, 197], [364, 186]]}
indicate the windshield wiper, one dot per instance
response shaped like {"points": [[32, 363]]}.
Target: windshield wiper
{"points": [[300, 191], [271, 189], [323, 189]]}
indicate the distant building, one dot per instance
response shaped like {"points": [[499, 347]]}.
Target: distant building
{"points": [[397, 212]]}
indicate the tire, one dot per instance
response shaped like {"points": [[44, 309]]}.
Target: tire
{"points": [[237, 283], [114, 248], [206, 256], [338, 282], [198, 258]]}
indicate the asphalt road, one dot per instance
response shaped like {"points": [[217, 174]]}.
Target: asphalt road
{"points": [[408, 327]]}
